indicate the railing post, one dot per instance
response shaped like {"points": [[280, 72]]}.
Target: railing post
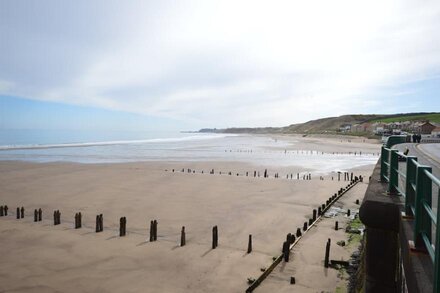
{"points": [[394, 166], [422, 221], [383, 159], [410, 193], [437, 250]]}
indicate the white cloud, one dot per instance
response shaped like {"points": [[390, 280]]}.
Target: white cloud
{"points": [[221, 63]]}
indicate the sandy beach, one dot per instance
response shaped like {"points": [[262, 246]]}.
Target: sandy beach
{"points": [[41, 257]]}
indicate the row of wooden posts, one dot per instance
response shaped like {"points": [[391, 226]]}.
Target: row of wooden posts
{"points": [[3, 211], [38, 214], [290, 239], [307, 152], [316, 213], [347, 176]]}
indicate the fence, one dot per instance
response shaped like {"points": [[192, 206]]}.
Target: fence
{"points": [[416, 187]]}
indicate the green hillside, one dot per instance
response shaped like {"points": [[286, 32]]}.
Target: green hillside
{"points": [[431, 117], [332, 124]]}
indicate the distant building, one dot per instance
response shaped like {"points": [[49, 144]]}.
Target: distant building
{"points": [[367, 127], [426, 128], [436, 132], [345, 128], [356, 128], [379, 130]]}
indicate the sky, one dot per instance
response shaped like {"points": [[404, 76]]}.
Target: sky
{"points": [[194, 64]]}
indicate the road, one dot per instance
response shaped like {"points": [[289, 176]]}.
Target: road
{"points": [[427, 154]]}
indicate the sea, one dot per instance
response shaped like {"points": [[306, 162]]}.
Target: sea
{"points": [[117, 147]]}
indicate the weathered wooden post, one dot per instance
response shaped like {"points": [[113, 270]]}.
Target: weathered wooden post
{"points": [[22, 212], [101, 223], [357, 201], [298, 232], [351, 178], [310, 222], [76, 220], [336, 226], [327, 253], [35, 215], [1, 211], [286, 251], [214, 237], [182, 237], [339, 176], [249, 250], [18, 213], [79, 220], [314, 215], [155, 230], [305, 226], [6, 210], [58, 217], [97, 223], [265, 173], [292, 280], [40, 214], [55, 218], [151, 231], [289, 238], [121, 227], [348, 212], [319, 211]]}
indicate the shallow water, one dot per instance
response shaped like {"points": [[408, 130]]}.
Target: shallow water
{"points": [[260, 150]]}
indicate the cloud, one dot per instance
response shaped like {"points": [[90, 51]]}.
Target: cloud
{"points": [[219, 63]]}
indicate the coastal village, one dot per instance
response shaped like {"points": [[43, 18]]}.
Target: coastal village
{"points": [[394, 128]]}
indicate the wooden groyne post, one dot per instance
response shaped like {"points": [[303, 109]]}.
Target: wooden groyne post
{"points": [[56, 217], [99, 223], [182, 237], [327, 253], [214, 237], [122, 226], [249, 249]]}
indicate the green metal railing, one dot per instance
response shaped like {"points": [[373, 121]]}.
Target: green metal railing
{"points": [[417, 190]]}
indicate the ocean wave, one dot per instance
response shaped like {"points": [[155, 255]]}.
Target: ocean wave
{"points": [[116, 142]]}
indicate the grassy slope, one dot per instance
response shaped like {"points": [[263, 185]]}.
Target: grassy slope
{"points": [[432, 117], [332, 124]]}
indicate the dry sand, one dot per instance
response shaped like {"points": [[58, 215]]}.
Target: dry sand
{"points": [[307, 258], [40, 257]]}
